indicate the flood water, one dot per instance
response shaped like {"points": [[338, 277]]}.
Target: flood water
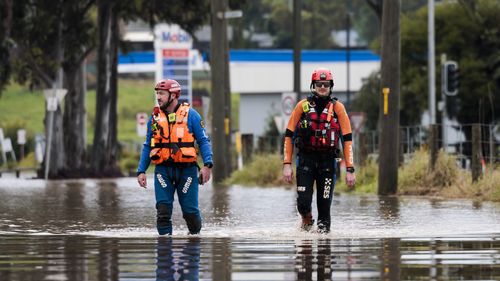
{"points": [[105, 230]]}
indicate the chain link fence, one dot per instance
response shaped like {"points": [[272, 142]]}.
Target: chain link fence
{"points": [[453, 139]]}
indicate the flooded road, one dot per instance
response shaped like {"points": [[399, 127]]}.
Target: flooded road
{"points": [[105, 230]]}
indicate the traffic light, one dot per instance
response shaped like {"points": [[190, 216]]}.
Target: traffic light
{"points": [[450, 78]]}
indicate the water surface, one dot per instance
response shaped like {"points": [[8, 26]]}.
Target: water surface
{"points": [[104, 230]]}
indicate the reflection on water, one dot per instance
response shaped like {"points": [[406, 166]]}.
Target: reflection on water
{"points": [[178, 259], [314, 260], [105, 230], [195, 258]]}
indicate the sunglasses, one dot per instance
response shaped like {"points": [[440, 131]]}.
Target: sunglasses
{"points": [[325, 84]]}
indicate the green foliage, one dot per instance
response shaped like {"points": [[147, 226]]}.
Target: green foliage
{"points": [[366, 179], [20, 105], [487, 187], [10, 128], [368, 99], [263, 170], [416, 177], [128, 160], [466, 34], [235, 112], [28, 161]]}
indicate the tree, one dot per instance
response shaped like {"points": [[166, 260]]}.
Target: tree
{"points": [[188, 14], [105, 147], [367, 100], [35, 56], [5, 33], [40, 39], [80, 41], [467, 33]]}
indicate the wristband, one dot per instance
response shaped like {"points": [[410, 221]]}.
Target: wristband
{"points": [[350, 169]]}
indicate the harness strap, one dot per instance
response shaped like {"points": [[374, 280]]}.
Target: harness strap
{"points": [[330, 113], [174, 144]]}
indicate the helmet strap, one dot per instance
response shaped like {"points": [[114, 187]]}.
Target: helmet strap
{"points": [[170, 100]]}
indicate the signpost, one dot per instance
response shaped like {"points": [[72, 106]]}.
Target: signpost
{"points": [[6, 145], [21, 141], [4, 155], [53, 97]]}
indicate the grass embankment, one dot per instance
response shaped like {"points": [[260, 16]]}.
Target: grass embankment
{"points": [[445, 180], [263, 170], [22, 108]]}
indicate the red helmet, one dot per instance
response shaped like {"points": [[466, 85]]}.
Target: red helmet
{"points": [[169, 85], [322, 74]]}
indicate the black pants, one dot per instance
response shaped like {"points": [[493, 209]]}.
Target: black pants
{"points": [[320, 169]]}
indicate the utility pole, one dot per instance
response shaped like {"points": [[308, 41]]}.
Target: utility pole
{"points": [[220, 99], [389, 109], [348, 53], [297, 35], [431, 63], [442, 104]]}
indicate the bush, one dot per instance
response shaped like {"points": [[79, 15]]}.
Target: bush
{"points": [[489, 186], [10, 129], [366, 179], [416, 178], [264, 170]]}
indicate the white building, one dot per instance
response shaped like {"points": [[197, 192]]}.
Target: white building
{"points": [[261, 76]]}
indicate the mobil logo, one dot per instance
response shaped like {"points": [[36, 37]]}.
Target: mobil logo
{"points": [[175, 37]]}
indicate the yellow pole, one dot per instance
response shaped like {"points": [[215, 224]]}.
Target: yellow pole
{"points": [[386, 92]]}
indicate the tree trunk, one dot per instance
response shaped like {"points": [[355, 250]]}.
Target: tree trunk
{"points": [[57, 157], [104, 150], [389, 99], [75, 122], [55, 142]]}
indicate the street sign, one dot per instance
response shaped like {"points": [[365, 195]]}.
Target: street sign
{"points": [[288, 101], [142, 120], [173, 57], [54, 97], [357, 121], [39, 148], [230, 14], [21, 136], [6, 145]]}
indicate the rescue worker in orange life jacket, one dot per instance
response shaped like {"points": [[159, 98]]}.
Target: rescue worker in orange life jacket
{"points": [[315, 127], [170, 144]]}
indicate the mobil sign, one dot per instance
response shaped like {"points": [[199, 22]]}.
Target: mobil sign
{"points": [[172, 52]]}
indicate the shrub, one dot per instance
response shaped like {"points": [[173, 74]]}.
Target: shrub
{"points": [[417, 178], [488, 186], [264, 170], [366, 179]]}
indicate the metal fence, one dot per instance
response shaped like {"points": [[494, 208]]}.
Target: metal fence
{"points": [[453, 139]]}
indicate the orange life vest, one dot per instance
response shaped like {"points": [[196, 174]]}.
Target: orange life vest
{"points": [[318, 131], [172, 141]]}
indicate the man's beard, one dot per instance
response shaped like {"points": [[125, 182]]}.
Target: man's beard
{"points": [[166, 104]]}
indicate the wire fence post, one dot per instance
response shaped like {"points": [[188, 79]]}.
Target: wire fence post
{"points": [[490, 127], [476, 152]]}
